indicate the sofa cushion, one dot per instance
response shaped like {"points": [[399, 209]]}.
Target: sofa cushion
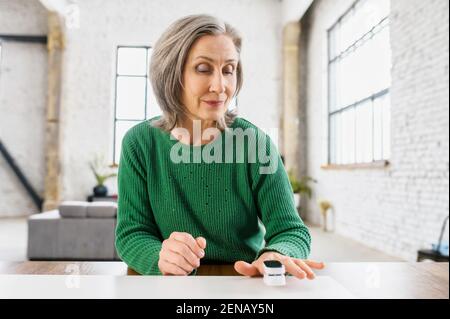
{"points": [[73, 209], [51, 214], [43, 235], [102, 210]]}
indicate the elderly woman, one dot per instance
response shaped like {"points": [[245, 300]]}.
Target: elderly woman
{"points": [[179, 211]]}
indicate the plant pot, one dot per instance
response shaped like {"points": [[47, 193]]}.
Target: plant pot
{"points": [[100, 191], [327, 220]]}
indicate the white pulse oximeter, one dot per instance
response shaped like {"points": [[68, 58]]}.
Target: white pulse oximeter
{"points": [[274, 273]]}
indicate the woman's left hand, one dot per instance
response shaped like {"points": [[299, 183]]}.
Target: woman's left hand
{"points": [[300, 268]]}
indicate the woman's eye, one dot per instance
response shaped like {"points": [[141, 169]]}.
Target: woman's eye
{"points": [[207, 70], [202, 68]]}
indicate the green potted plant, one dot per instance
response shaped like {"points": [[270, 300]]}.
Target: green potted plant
{"points": [[300, 186], [99, 169]]}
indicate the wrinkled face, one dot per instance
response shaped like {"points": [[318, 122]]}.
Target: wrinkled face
{"points": [[209, 77]]}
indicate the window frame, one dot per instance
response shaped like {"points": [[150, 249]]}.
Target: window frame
{"points": [[117, 75], [367, 36]]}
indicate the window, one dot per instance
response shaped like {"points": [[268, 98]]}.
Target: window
{"points": [[359, 66], [134, 100]]}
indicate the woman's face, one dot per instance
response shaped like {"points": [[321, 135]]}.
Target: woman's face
{"points": [[209, 77]]}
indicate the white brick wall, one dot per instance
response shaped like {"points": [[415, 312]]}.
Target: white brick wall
{"points": [[398, 209]]}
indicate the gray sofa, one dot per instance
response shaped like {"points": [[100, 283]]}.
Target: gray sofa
{"points": [[75, 231]]}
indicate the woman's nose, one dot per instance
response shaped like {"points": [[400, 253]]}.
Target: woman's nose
{"points": [[217, 84]]}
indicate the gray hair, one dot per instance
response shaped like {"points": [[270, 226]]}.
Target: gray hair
{"points": [[168, 60]]}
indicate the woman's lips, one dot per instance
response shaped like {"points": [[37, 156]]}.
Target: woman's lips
{"points": [[214, 103]]}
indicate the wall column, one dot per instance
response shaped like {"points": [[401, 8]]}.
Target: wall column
{"points": [[55, 47], [290, 110]]}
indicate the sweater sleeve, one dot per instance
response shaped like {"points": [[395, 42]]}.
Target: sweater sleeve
{"points": [[285, 231], [138, 240]]}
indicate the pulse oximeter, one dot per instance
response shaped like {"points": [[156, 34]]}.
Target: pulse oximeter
{"points": [[274, 273]]}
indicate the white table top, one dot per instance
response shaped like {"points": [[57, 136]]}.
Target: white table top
{"points": [[165, 287]]}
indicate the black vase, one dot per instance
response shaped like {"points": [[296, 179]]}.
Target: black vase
{"points": [[100, 191]]}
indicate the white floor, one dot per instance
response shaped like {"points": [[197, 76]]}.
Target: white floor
{"points": [[327, 247], [13, 239]]}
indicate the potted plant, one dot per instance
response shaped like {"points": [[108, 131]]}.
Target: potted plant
{"points": [[98, 167], [300, 186], [325, 209]]}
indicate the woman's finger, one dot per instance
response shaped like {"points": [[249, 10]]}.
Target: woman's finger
{"points": [[187, 239], [183, 250], [259, 265], [293, 268], [178, 260], [171, 269], [310, 274], [314, 264], [201, 242], [246, 269]]}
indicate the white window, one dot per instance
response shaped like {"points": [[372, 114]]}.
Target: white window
{"points": [[134, 100], [359, 78]]}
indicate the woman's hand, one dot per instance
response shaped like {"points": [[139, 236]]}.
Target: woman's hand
{"points": [[180, 254], [297, 267]]}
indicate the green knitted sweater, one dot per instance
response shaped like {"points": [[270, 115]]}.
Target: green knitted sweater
{"points": [[240, 209]]}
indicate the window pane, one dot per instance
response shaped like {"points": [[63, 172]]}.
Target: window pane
{"points": [[333, 139], [366, 17], [348, 73], [344, 122], [332, 43], [387, 127], [364, 134], [372, 12], [130, 103], [121, 128], [348, 136], [149, 59], [346, 33], [361, 24], [366, 58], [365, 69], [338, 138], [378, 128], [332, 86], [381, 68], [339, 85], [153, 108], [132, 61]]}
